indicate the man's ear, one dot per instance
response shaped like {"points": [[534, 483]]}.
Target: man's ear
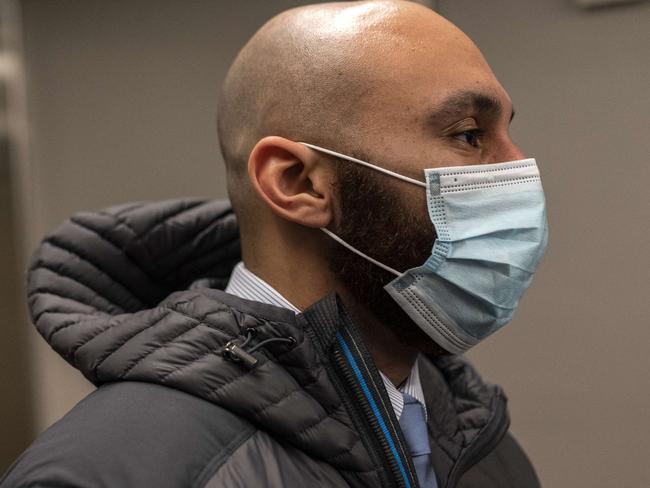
{"points": [[289, 179]]}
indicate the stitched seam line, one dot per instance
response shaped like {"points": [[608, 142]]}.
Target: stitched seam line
{"points": [[182, 367], [196, 234], [259, 411], [335, 459], [416, 302], [443, 329], [228, 335], [328, 414], [301, 387], [54, 241], [127, 209], [480, 183], [107, 326], [357, 472], [164, 220], [124, 340], [441, 246], [203, 320], [65, 325], [67, 312], [207, 322], [176, 248], [121, 251], [78, 281], [215, 391], [492, 170], [218, 460], [156, 322], [197, 257], [441, 445], [52, 292], [110, 324], [459, 188], [60, 327], [156, 347], [37, 318]]}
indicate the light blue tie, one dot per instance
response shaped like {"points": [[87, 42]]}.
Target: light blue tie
{"points": [[414, 428]]}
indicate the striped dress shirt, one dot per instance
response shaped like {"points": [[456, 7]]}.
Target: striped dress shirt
{"points": [[245, 284]]}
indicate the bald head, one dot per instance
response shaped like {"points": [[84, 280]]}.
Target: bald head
{"points": [[315, 74]]}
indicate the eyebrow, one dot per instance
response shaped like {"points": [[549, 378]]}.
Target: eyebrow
{"points": [[466, 102]]}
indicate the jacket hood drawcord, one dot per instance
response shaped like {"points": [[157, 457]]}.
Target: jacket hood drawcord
{"points": [[237, 352]]}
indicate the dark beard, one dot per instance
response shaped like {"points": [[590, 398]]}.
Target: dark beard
{"points": [[373, 219]]}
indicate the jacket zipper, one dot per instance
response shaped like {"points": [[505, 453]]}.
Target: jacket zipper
{"points": [[354, 372], [331, 328]]}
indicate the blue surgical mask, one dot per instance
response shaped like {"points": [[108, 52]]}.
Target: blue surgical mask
{"points": [[491, 227]]}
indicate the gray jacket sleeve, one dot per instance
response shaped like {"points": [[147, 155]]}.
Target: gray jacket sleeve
{"points": [[131, 434]]}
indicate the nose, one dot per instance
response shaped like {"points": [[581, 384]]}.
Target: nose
{"points": [[515, 153], [508, 151]]}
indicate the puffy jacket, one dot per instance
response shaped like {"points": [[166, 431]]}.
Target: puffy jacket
{"points": [[199, 388]]}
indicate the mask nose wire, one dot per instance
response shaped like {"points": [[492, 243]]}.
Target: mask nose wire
{"points": [[364, 163]]}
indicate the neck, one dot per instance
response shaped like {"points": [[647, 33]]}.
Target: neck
{"points": [[303, 280], [391, 356]]}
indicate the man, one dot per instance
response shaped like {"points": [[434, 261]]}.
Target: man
{"points": [[356, 137]]}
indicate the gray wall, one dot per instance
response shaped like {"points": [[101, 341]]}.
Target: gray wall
{"points": [[575, 362], [121, 107], [16, 402]]}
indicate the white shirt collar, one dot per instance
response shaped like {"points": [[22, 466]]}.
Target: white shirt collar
{"points": [[245, 284]]}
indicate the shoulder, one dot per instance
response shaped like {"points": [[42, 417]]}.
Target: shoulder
{"points": [[506, 466], [132, 434]]}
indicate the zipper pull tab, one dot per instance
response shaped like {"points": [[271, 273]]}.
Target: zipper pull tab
{"points": [[234, 353]]}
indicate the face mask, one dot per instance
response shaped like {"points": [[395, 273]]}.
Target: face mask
{"points": [[491, 227]]}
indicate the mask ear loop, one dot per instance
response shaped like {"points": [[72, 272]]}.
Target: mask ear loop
{"points": [[376, 168], [372, 166], [356, 251]]}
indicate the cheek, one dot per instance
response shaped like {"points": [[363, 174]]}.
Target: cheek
{"points": [[412, 200], [414, 231]]}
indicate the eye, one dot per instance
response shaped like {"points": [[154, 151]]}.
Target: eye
{"points": [[472, 137]]}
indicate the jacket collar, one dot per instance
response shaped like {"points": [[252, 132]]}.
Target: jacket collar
{"points": [[467, 417]]}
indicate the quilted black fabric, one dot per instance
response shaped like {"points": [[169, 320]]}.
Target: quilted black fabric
{"points": [[104, 293]]}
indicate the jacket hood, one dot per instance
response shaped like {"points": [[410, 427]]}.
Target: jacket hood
{"points": [[133, 292]]}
